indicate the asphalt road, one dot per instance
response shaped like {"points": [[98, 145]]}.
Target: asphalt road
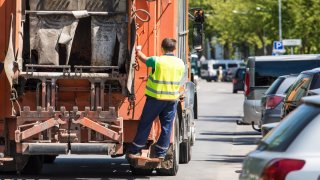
{"points": [[218, 152]]}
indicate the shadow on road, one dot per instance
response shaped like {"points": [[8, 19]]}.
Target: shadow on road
{"points": [[232, 133], [76, 168], [226, 159], [234, 140], [227, 119]]}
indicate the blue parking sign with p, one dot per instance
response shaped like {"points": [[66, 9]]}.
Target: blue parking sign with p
{"points": [[277, 45]]}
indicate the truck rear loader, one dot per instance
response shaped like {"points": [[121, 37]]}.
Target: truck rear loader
{"points": [[71, 83]]}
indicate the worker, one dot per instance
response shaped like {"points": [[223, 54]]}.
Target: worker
{"points": [[220, 74], [162, 92]]}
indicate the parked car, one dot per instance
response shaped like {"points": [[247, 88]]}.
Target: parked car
{"points": [[272, 99], [291, 151], [238, 79], [209, 68], [262, 71], [306, 81], [266, 128]]}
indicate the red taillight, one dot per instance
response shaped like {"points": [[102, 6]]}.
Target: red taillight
{"points": [[247, 84], [279, 168], [273, 101]]}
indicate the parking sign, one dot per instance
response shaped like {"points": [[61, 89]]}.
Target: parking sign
{"points": [[277, 45]]}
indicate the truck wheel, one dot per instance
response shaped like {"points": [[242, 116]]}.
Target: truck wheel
{"points": [[185, 152], [173, 155], [49, 159], [140, 172], [34, 165]]}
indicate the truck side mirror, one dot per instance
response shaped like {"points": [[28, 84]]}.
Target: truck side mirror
{"points": [[198, 34]]}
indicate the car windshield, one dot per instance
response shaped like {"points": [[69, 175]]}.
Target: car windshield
{"points": [[282, 136], [216, 66], [268, 71], [274, 86], [299, 88], [204, 66]]}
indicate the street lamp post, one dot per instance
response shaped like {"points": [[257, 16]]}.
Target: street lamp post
{"points": [[280, 23]]}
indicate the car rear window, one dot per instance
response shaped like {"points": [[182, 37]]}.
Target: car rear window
{"points": [[285, 85], [268, 71], [274, 86], [299, 88], [216, 66], [282, 136]]}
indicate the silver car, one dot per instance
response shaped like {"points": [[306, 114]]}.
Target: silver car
{"points": [[291, 151], [262, 71], [272, 100]]}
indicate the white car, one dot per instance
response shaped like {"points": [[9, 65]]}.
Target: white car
{"points": [[290, 151]]}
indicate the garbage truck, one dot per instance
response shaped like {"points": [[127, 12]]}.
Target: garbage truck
{"points": [[70, 81]]}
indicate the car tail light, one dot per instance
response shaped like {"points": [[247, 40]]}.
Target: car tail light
{"points": [[279, 168], [247, 84], [273, 101]]}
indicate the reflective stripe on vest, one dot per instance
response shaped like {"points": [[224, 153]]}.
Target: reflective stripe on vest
{"points": [[164, 83]]}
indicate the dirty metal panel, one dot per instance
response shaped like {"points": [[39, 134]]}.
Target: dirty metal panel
{"points": [[109, 35], [53, 5], [52, 34]]}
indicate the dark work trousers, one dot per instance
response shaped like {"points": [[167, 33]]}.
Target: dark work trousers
{"points": [[166, 111]]}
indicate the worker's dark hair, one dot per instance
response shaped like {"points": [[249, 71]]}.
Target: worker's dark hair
{"points": [[169, 44]]}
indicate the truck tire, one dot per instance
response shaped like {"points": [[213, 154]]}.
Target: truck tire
{"points": [[140, 172], [49, 159], [185, 152], [173, 155], [34, 165]]}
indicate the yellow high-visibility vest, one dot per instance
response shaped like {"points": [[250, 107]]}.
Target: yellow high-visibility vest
{"points": [[164, 82]]}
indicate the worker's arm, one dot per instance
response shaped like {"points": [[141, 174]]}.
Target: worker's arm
{"points": [[140, 54]]}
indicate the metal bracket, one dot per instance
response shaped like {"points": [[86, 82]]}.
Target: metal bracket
{"points": [[37, 128], [98, 128]]}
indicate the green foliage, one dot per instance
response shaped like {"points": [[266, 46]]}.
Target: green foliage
{"points": [[254, 23]]}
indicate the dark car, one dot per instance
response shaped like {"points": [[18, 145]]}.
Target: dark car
{"points": [[304, 83], [238, 79], [272, 100]]}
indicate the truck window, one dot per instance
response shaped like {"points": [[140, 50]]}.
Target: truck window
{"points": [[268, 71]]}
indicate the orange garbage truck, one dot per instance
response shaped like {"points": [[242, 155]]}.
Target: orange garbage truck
{"points": [[71, 83]]}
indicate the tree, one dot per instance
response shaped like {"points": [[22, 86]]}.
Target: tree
{"points": [[253, 24]]}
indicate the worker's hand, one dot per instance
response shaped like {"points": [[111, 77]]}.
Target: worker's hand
{"points": [[138, 48]]}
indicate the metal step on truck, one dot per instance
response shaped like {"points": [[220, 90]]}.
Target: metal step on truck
{"points": [[71, 83]]}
